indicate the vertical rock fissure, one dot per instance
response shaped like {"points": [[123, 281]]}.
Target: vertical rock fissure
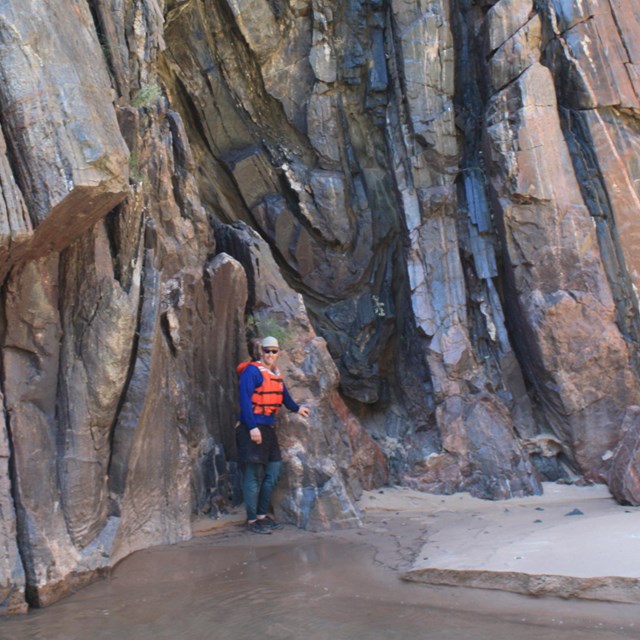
{"points": [[191, 115], [102, 37], [110, 223], [121, 444], [476, 226], [420, 407], [21, 530]]}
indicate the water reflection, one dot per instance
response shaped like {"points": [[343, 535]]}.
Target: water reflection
{"points": [[317, 589]]}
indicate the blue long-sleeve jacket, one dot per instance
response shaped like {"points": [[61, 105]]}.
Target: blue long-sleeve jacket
{"points": [[250, 380]]}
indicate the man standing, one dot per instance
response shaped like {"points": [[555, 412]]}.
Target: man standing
{"points": [[262, 393]]}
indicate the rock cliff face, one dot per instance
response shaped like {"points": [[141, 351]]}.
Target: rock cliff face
{"points": [[434, 204]]}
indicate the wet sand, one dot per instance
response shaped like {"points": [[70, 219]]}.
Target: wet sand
{"points": [[228, 584]]}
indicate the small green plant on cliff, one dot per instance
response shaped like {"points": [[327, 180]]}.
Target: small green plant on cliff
{"points": [[146, 95], [134, 168], [259, 327]]}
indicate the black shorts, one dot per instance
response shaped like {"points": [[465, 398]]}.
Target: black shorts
{"points": [[249, 451]]}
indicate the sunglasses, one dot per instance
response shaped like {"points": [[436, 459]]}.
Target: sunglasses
{"points": [[270, 350]]}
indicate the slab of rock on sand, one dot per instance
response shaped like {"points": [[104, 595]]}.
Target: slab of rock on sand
{"points": [[571, 542]]}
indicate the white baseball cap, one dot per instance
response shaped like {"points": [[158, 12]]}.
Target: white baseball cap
{"points": [[270, 341]]}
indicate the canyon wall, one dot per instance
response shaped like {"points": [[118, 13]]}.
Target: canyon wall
{"points": [[433, 204]]}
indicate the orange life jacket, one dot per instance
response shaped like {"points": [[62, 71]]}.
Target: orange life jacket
{"points": [[269, 396]]}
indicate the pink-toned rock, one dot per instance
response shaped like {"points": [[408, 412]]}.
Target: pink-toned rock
{"points": [[593, 64], [99, 318], [624, 476], [367, 465], [615, 143], [31, 352], [560, 293], [504, 19]]}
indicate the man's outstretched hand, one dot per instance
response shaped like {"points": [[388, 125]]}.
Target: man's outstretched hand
{"points": [[304, 412]]}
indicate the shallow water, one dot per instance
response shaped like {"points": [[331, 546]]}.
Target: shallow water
{"points": [[313, 589]]}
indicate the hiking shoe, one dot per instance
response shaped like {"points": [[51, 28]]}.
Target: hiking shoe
{"points": [[269, 523], [258, 527]]}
